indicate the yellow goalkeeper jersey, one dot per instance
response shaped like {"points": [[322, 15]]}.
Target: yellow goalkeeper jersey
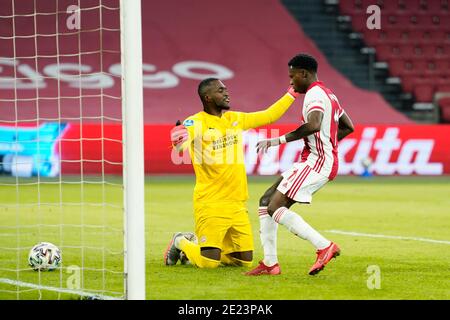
{"points": [[216, 150]]}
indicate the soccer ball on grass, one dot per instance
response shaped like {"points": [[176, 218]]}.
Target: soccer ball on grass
{"points": [[44, 256]]}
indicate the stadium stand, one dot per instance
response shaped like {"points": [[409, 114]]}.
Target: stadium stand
{"points": [[256, 51], [249, 53], [413, 42]]}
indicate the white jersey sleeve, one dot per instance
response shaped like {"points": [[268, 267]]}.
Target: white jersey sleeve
{"points": [[320, 151], [315, 100]]}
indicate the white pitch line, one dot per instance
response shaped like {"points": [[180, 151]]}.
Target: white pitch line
{"points": [[62, 290], [371, 235]]}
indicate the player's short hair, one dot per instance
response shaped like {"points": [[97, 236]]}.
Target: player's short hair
{"points": [[303, 61], [203, 85]]}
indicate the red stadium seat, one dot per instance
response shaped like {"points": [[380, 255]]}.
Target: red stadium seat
{"points": [[408, 83], [444, 102], [421, 67], [411, 67], [390, 7], [444, 105], [359, 22], [442, 50], [384, 52], [414, 35], [431, 68], [410, 5], [409, 51], [415, 21], [403, 4], [397, 66], [375, 37], [443, 66], [424, 92], [447, 37], [437, 36], [443, 81], [436, 7], [404, 51], [418, 67], [437, 67], [395, 20], [391, 36], [420, 36], [414, 40], [366, 3], [432, 35], [398, 35], [425, 51], [348, 7], [443, 87], [417, 18], [435, 21], [392, 51]]}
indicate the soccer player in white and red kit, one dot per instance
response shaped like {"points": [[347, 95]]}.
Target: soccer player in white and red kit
{"points": [[324, 123]]}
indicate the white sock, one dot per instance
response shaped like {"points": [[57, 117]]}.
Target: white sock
{"points": [[268, 234], [295, 224]]}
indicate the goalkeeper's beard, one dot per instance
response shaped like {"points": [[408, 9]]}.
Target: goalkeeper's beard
{"points": [[222, 106], [225, 105]]}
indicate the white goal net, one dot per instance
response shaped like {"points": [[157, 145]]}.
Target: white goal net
{"points": [[61, 148]]}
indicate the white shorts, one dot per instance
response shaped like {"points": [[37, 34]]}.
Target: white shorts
{"points": [[300, 182]]}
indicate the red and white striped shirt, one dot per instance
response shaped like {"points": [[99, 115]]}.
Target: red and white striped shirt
{"points": [[321, 148]]}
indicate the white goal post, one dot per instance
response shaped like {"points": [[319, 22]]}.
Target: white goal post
{"points": [[133, 147]]}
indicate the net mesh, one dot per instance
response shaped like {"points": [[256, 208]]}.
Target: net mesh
{"points": [[61, 147]]}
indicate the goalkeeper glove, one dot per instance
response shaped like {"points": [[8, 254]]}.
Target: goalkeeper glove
{"points": [[178, 135], [292, 92]]}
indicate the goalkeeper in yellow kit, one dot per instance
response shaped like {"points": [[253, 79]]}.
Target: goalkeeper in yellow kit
{"points": [[214, 140]]}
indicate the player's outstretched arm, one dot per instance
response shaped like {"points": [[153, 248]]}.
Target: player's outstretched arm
{"points": [[272, 113], [345, 126], [306, 129]]}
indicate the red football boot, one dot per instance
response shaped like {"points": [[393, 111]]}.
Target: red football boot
{"points": [[262, 269], [323, 257]]}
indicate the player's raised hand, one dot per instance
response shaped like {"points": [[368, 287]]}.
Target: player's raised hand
{"points": [[264, 145], [294, 94], [178, 134]]}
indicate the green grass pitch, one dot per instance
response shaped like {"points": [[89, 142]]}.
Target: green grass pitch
{"points": [[413, 208]]}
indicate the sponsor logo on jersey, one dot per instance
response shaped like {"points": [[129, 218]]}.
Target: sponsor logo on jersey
{"points": [[188, 122]]}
